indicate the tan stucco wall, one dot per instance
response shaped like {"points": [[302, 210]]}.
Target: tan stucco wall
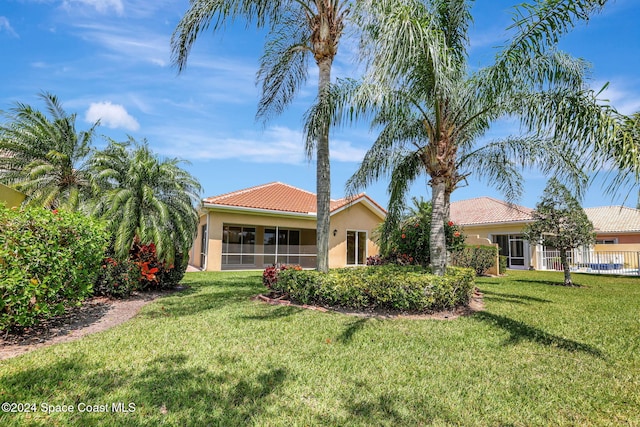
{"points": [[10, 197], [356, 218], [490, 230], [632, 247], [196, 249]]}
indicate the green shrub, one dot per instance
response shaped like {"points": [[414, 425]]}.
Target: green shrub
{"points": [[117, 278], [406, 288], [408, 241], [49, 260], [270, 274], [479, 257], [141, 271], [171, 276], [503, 264]]}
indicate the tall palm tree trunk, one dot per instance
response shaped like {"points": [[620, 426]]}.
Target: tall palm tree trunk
{"points": [[437, 240], [323, 175]]}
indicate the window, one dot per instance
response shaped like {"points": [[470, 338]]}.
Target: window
{"points": [[356, 247], [611, 241]]}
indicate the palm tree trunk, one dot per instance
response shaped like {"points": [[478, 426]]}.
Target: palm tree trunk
{"points": [[437, 239], [323, 176], [447, 204]]}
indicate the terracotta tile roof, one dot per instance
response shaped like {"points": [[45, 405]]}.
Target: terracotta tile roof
{"points": [[486, 210], [279, 197], [609, 219]]}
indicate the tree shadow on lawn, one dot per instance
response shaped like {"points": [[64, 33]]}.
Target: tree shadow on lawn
{"points": [[521, 331], [353, 327], [275, 313], [366, 406], [513, 298], [168, 389], [548, 282], [197, 302]]}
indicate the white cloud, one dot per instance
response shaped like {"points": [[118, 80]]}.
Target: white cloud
{"points": [[102, 6], [275, 145], [131, 42], [5, 26], [622, 95], [111, 115]]}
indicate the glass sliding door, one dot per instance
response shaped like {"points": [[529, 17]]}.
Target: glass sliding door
{"points": [[514, 247], [516, 251], [356, 247]]}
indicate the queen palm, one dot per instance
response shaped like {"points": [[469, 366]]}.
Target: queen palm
{"points": [[145, 198], [298, 30], [433, 111], [45, 157]]}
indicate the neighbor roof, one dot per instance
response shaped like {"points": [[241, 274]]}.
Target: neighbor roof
{"points": [[486, 210], [280, 197], [614, 219]]}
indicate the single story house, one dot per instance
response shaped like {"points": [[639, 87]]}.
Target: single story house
{"points": [[617, 230], [10, 197], [499, 222], [276, 223]]}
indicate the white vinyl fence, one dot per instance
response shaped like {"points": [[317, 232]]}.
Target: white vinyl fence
{"points": [[589, 261]]}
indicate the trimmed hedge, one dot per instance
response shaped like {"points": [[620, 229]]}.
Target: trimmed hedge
{"points": [[49, 260], [479, 257], [408, 288]]}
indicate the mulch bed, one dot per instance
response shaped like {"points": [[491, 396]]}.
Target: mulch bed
{"points": [[96, 314], [476, 304]]}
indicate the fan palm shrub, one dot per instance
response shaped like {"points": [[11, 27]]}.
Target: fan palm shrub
{"points": [[44, 156], [145, 200]]}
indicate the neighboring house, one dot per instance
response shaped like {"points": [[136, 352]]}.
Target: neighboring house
{"points": [[499, 222], [10, 197], [616, 225], [276, 223], [617, 230]]}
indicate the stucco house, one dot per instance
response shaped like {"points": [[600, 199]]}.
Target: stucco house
{"points": [[499, 222], [10, 197], [617, 232], [276, 223]]}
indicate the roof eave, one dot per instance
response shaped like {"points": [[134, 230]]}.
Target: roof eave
{"points": [[488, 224], [259, 211]]}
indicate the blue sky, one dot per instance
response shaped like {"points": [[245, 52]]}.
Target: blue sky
{"points": [[110, 59]]}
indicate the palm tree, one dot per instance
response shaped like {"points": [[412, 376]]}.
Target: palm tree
{"points": [[298, 29], [432, 110], [145, 198], [623, 153], [46, 158]]}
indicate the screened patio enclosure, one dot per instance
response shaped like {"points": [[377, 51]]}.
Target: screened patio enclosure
{"points": [[256, 247]]}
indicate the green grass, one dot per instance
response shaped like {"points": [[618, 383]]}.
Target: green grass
{"points": [[538, 355]]}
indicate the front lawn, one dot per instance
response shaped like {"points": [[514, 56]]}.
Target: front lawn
{"points": [[538, 355]]}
